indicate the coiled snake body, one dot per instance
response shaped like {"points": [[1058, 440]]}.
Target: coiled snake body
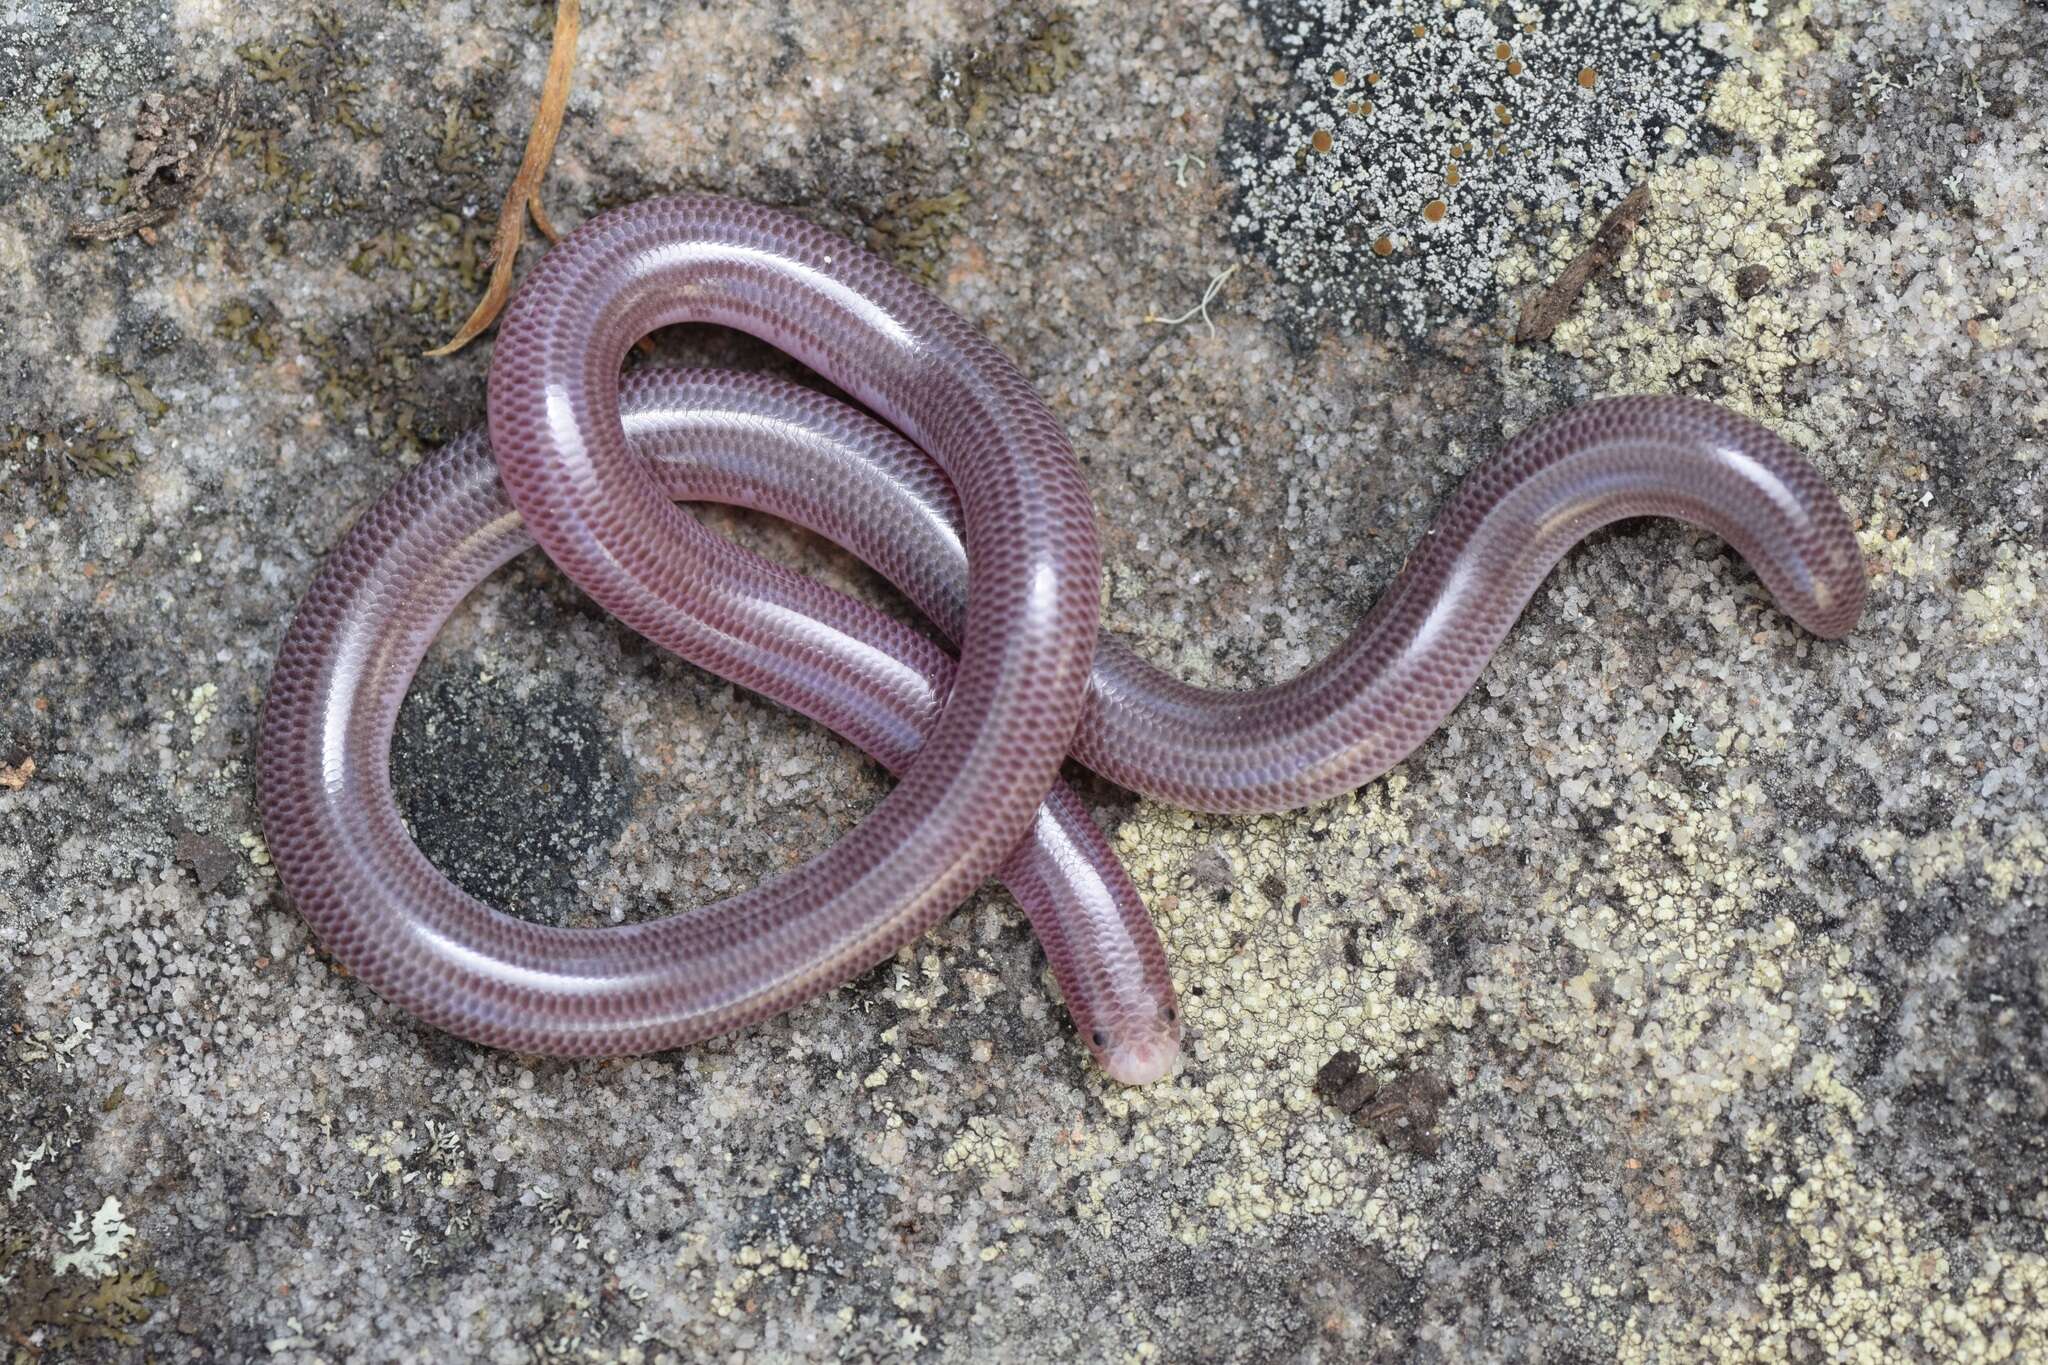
{"points": [[970, 501]]}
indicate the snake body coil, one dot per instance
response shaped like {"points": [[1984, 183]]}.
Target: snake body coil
{"points": [[973, 505]]}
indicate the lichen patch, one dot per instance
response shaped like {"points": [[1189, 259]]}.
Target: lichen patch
{"points": [[1487, 124]]}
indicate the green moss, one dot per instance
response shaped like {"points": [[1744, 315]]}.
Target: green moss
{"points": [[470, 142], [986, 80], [367, 372], [913, 230], [372, 380], [321, 67], [271, 65], [388, 248], [50, 455], [430, 250], [67, 1310], [71, 1310], [248, 322], [976, 90], [301, 187], [262, 145], [153, 407]]}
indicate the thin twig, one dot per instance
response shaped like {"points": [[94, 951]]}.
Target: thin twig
{"points": [[1201, 309], [1542, 313], [524, 195]]}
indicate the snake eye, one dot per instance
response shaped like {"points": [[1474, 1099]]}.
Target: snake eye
{"points": [[1099, 1038]]}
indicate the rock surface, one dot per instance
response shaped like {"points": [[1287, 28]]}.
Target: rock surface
{"points": [[1694, 979]]}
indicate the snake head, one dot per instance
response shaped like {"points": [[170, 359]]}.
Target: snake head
{"points": [[1136, 1047]]}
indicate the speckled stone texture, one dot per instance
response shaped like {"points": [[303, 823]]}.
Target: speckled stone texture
{"points": [[1697, 973]]}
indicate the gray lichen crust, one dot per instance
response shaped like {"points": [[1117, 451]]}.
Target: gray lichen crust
{"points": [[1426, 138], [1693, 983]]}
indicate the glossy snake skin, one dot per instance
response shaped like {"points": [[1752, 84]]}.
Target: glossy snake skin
{"points": [[973, 506]]}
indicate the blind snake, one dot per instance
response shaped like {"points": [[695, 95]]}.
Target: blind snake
{"points": [[971, 502]]}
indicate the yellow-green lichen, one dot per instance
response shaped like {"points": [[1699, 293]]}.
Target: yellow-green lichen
{"points": [[1275, 976], [1710, 1005], [48, 156], [1712, 217], [1852, 1278]]}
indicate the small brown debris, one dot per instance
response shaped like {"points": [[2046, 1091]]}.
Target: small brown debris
{"points": [[210, 858], [523, 197], [1752, 280], [1542, 314], [178, 140], [1343, 1086], [1407, 1111], [14, 776], [1404, 1112]]}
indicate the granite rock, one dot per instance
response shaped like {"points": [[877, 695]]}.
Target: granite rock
{"points": [[1713, 956]]}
